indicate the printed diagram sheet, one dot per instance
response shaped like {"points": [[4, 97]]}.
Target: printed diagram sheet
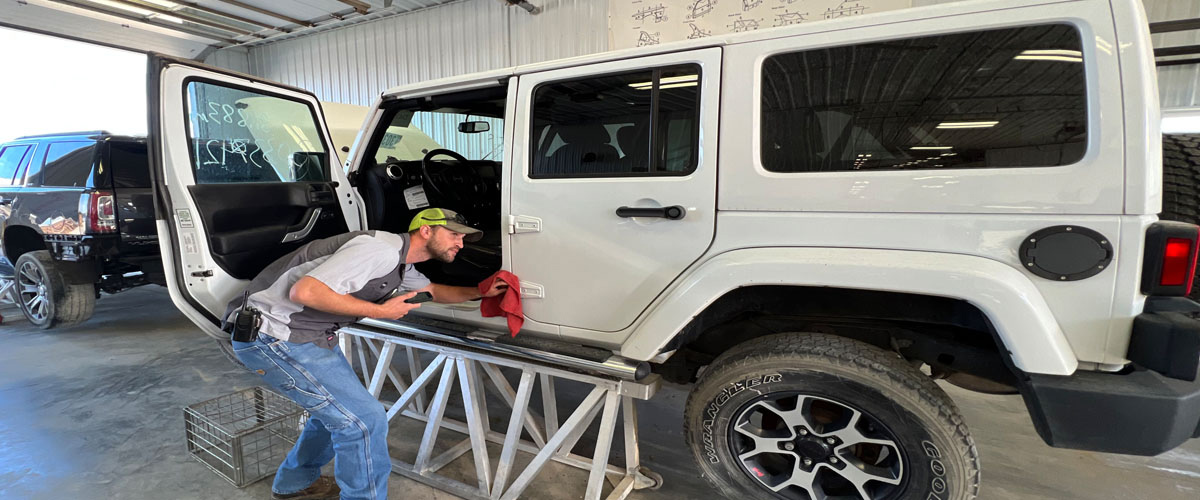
{"points": [[638, 23]]}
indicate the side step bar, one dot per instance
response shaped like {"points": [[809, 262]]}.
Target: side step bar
{"points": [[611, 365]]}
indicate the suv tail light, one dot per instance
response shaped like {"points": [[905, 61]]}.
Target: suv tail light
{"points": [[102, 212], [1170, 264]]}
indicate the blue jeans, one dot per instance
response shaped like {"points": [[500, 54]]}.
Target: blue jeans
{"points": [[345, 421]]}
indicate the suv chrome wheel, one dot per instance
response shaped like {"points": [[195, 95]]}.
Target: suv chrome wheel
{"points": [[808, 447], [33, 292]]}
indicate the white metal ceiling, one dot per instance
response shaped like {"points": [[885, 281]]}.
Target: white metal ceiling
{"points": [[189, 28]]}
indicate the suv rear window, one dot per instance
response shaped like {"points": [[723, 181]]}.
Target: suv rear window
{"points": [[69, 164], [129, 164], [987, 99], [10, 159]]}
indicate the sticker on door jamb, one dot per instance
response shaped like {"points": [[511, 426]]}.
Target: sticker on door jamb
{"points": [[185, 218]]}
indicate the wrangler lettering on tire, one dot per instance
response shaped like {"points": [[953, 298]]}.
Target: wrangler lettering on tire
{"points": [[804, 416]]}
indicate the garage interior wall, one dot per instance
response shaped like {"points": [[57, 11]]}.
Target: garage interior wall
{"points": [[354, 64], [1177, 85]]}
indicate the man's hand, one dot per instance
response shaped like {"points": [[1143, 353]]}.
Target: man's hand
{"points": [[396, 307], [497, 288]]}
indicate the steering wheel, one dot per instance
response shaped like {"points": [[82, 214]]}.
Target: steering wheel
{"points": [[473, 178]]}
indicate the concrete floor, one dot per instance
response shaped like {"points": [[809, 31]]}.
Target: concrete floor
{"points": [[95, 411]]}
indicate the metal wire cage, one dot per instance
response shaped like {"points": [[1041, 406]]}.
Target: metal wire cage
{"points": [[243, 436]]}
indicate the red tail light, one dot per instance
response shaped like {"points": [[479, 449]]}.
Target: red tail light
{"points": [[1170, 262], [102, 212], [1177, 266]]}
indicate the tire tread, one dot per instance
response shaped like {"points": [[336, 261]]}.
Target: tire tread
{"points": [[848, 354]]}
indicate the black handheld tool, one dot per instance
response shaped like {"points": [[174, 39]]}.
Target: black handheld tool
{"points": [[419, 298]]}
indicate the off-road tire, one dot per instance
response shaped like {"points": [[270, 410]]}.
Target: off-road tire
{"points": [[939, 457], [1181, 181], [67, 303]]}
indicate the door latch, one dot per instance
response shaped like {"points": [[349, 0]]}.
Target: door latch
{"points": [[203, 274]]}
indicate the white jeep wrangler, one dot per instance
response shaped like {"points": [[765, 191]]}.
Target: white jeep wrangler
{"points": [[809, 223]]}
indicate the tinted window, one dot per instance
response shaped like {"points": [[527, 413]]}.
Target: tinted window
{"points": [[998, 98], [243, 136], [608, 126], [69, 164], [10, 159], [130, 167]]}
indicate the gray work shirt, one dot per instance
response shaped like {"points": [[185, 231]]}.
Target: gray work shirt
{"points": [[367, 265]]}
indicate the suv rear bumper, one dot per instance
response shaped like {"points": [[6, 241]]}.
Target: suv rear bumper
{"points": [[1146, 410]]}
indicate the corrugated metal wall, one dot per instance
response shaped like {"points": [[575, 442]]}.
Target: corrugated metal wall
{"points": [[235, 59], [1177, 85], [354, 64]]}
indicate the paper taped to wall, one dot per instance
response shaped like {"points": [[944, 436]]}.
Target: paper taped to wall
{"points": [[638, 23]]}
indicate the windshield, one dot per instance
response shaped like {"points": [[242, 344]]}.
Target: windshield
{"points": [[472, 128]]}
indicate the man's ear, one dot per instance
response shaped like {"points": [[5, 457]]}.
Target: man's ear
{"points": [[426, 232]]}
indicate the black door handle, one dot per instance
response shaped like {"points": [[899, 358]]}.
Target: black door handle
{"points": [[675, 212]]}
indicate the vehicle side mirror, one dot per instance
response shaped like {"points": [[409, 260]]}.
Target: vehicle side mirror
{"points": [[308, 166], [474, 127]]}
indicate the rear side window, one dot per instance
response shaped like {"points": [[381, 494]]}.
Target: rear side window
{"points": [[243, 136], [10, 160], [986, 99], [70, 164], [129, 165], [642, 123]]}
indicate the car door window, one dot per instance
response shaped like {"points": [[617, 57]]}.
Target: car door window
{"points": [[10, 160], [640, 123], [67, 164], [240, 136], [1013, 97]]}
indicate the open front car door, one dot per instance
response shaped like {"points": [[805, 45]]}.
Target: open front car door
{"points": [[244, 173]]}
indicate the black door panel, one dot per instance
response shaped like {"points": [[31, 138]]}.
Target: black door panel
{"points": [[246, 223]]}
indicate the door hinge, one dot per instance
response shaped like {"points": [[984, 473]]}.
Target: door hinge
{"points": [[524, 224], [532, 290], [202, 274]]}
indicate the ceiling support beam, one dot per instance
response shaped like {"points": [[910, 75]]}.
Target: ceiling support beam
{"points": [[266, 12], [189, 18], [1175, 25], [227, 15], [141, 19], [360, 7]]}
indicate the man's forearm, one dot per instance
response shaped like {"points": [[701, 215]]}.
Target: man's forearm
{"points": [[312, 293], [446, 294]]}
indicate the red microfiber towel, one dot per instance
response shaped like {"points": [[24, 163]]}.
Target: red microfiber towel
{"points": [[507, 304]]}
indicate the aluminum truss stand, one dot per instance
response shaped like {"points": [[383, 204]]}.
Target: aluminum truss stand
{"points": [[8, 292], [466, 368]]}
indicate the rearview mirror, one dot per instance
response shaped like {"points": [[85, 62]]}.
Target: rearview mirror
{"points": [[474, 127]]}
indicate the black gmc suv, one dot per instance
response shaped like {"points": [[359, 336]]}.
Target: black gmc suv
{"points": [[76, 218]]}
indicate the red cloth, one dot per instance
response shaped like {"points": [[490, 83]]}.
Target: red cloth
{"points": [[507, 304]]}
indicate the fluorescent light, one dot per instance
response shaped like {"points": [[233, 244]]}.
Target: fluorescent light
{"points": [[979, 124], [135, 10], [676, 79], [1049, 58], [1052, 52], [124, 7], [1051, 55], [932, 147], [665, 83]]}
